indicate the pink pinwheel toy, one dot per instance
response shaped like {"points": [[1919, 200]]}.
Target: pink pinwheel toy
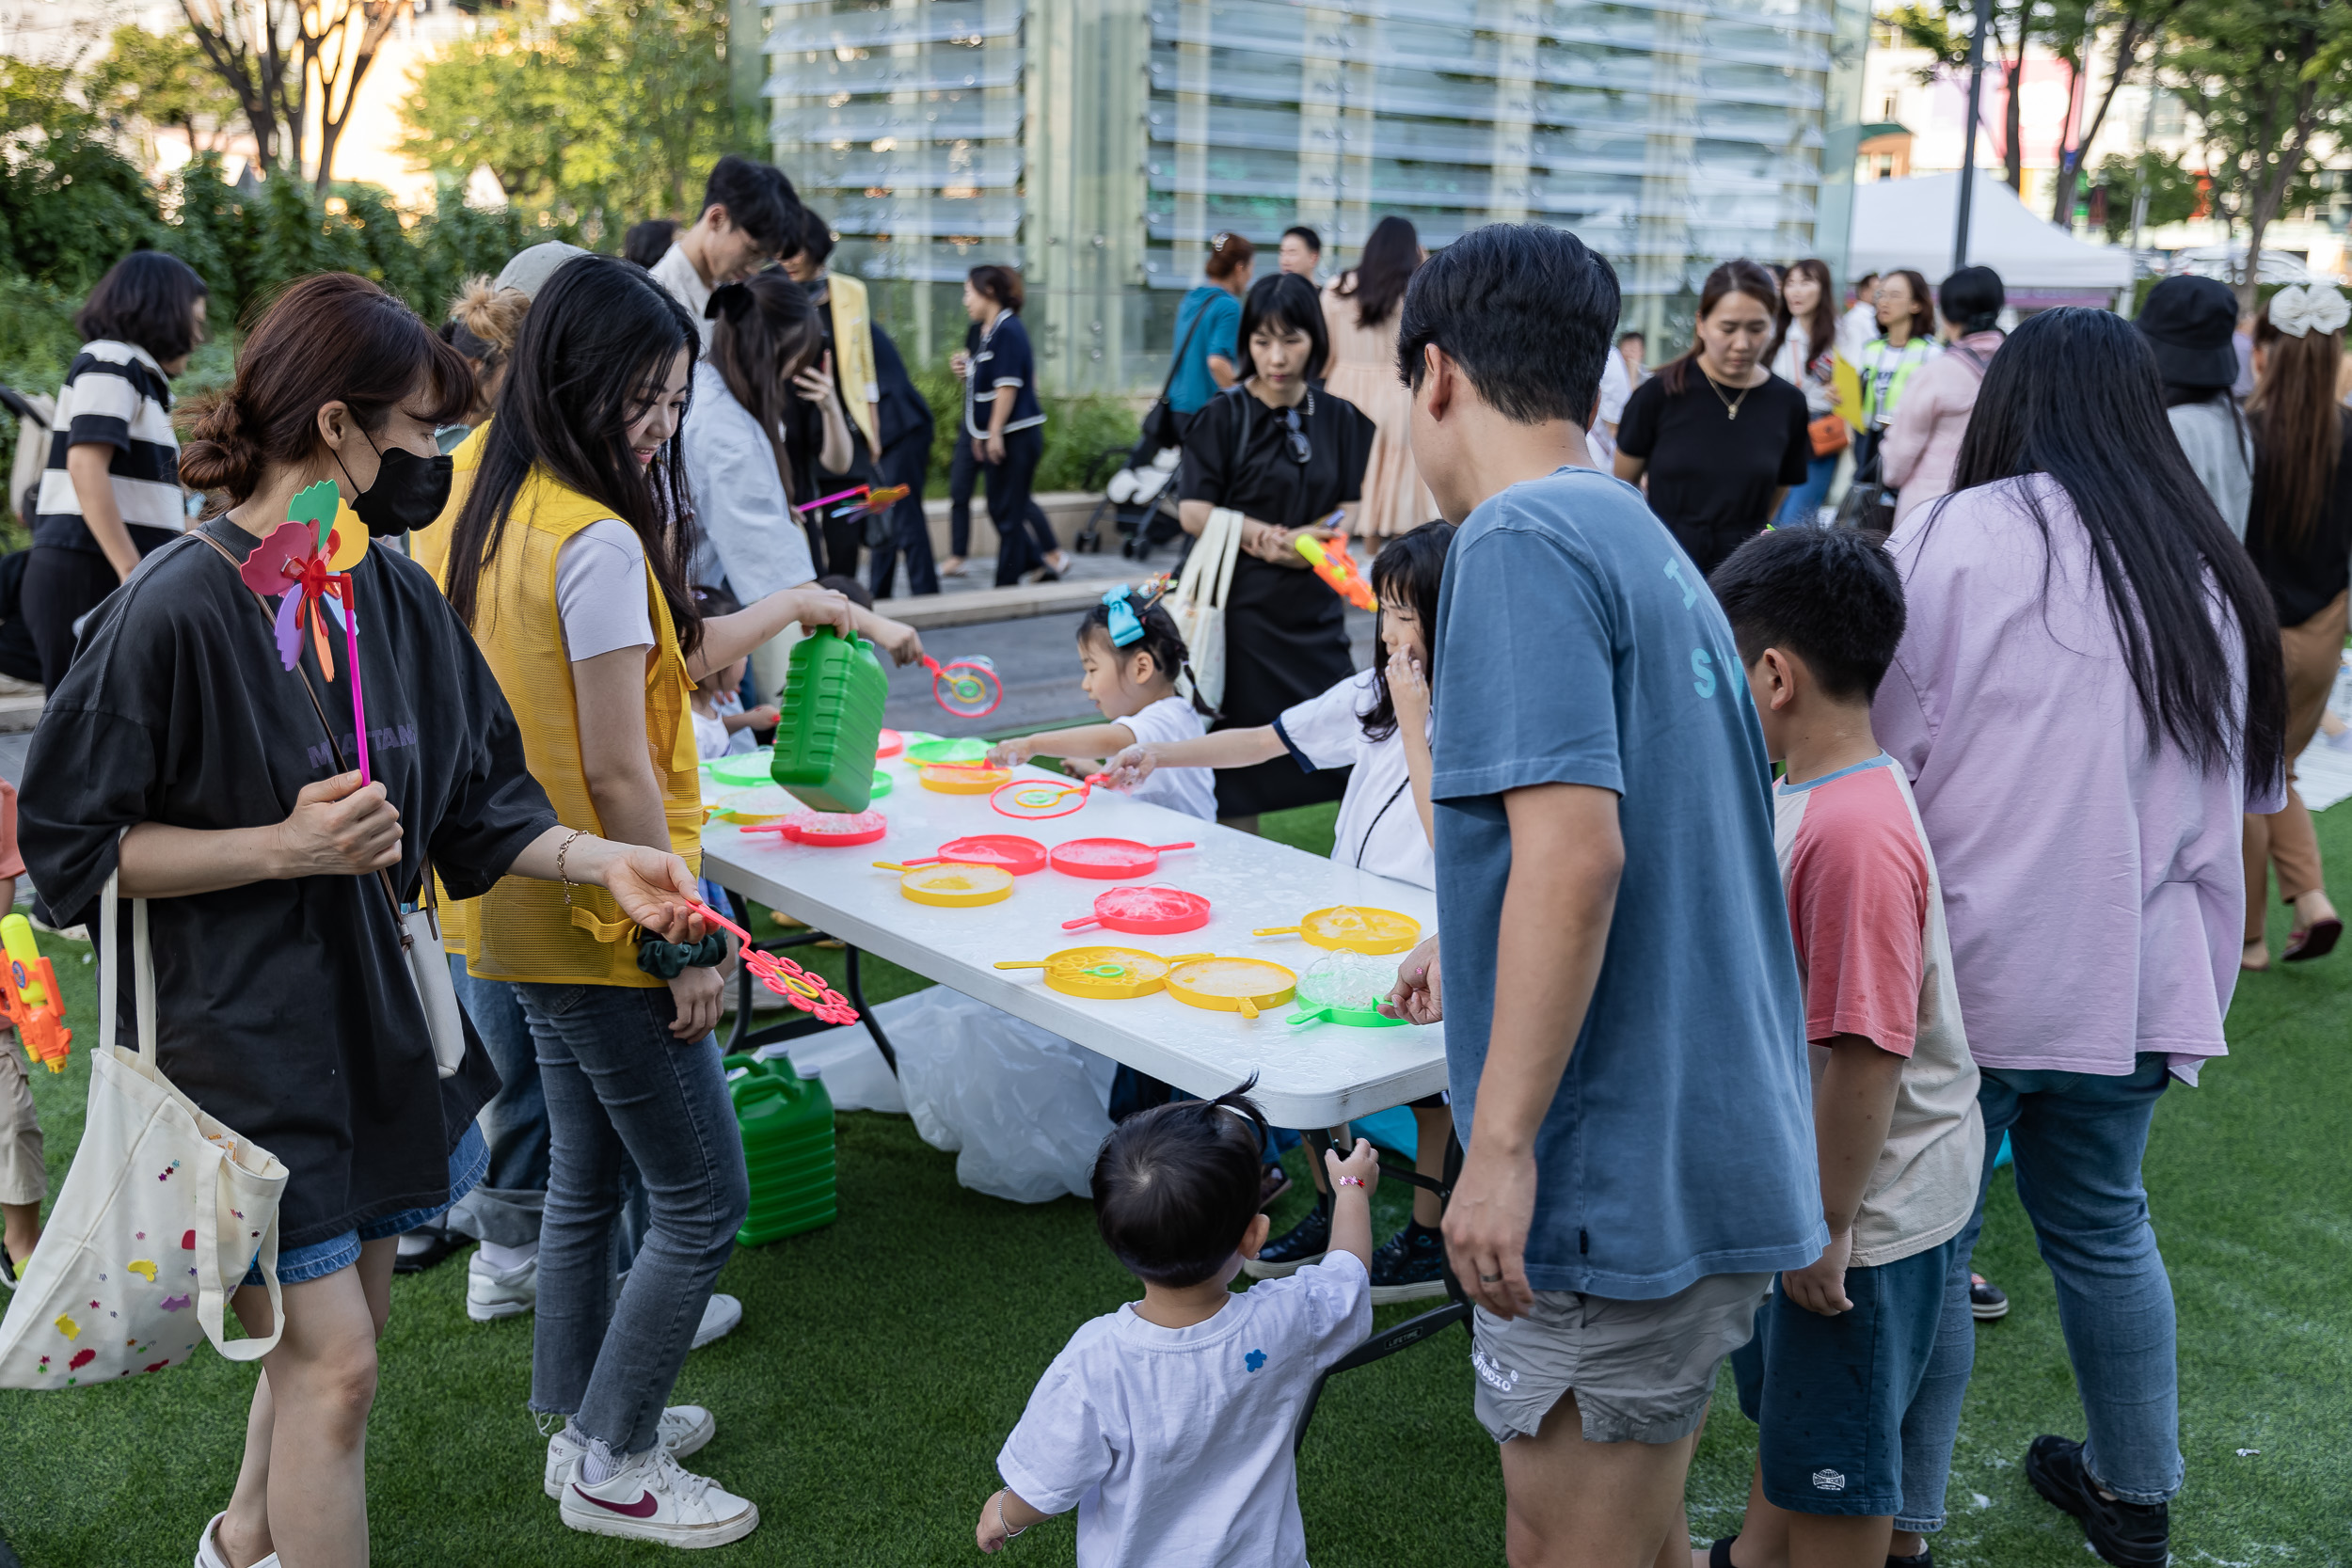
{"points": [[306, 562]]}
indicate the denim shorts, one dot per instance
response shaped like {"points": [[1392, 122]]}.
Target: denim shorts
{"points": [[299, 1265], [1830, 1393]]}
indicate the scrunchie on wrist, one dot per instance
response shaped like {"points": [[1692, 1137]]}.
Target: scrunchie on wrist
{"points": [[667, 961]]}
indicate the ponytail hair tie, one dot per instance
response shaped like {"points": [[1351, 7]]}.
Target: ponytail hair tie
{"points": [[729, 302]]}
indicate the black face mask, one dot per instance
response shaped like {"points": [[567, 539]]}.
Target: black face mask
{"points": [[408, 493]]}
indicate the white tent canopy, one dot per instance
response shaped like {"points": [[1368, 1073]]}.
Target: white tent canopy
{"points": [[1908, 223]]}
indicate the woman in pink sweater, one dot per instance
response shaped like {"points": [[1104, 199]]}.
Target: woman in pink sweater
{"points": [[1923, 442]]}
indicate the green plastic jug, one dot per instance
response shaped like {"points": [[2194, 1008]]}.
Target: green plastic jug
{"points": [[829, 721], [787, 1123]]}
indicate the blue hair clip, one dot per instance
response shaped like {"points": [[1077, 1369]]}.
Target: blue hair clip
{"points": [[1125, 624]]}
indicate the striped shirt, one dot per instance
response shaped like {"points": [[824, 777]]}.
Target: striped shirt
{"points": [[115, 395]]}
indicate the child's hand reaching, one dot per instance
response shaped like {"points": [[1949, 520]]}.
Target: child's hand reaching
{"points": [[1009, 753], [1362, 1163], [1420, 991], [1130, 767], [1353, 1181], [902, 643], [764, 716], [1002, 1517]]}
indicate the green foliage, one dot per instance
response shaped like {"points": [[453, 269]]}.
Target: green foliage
{"points": [[2264, 85], [2172, 195], [69, 204], [163, 79], [606, 117], [1078, 430]]}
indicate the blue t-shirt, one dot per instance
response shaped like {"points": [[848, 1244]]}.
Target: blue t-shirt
{"points": [[1218, 333], [1577, 645]]}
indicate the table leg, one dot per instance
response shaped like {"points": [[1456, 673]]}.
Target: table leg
{"points": [[1413, 1330], [873, 1024]]}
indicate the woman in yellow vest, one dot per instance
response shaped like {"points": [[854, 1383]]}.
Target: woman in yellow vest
{"points": [[568, 560]]}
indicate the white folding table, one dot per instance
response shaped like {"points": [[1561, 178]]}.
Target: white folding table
{"points": [[1312, 1076], [1315, 1075]]}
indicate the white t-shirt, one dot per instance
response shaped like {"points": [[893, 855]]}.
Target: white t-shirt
{"points": [[1190, 790], [729, 704], [749, 539], [676, 274], [710, 735], [1174, 1443], [1378, 830], [1616, 384], [600, 591]]}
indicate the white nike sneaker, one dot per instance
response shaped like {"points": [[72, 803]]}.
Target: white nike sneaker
{"points": [[720, 1317], [495, 1293], [685, 1428], [649, 1498]]}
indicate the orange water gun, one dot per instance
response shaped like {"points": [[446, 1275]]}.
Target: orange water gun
{"points": [[29, 998], [1337, 568]]}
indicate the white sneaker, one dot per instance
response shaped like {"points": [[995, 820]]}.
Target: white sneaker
{"points": [[685, 1428], [208, 1552], [495, 1293], [719, 1319], [649, 1498]]}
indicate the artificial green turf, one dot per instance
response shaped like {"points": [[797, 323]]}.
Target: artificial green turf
{"points": [[883, 1359]]}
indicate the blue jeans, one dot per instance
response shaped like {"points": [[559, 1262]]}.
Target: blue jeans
{"points": [[619, 1087], [1932, 1422], [506, 1207], [1802, 509], [2079, 1139]]}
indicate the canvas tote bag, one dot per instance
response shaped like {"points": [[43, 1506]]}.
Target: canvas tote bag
{"points": [[1197, 602], [160, 1215]]}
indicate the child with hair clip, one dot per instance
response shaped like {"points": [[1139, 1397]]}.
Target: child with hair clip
{"points": [[1375, 723], [723, 727], [1134, 656], [1168, 1424]]}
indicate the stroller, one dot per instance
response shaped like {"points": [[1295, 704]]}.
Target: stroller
{"points": [[1138, 499]]}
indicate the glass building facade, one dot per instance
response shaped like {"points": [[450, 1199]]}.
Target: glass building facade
{"points": [[1099, 143]]}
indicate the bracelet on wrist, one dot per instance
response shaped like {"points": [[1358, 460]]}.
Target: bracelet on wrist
{"points": [[562, 852]]}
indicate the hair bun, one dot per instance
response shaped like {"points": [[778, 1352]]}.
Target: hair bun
{"points": [[220, 454]]}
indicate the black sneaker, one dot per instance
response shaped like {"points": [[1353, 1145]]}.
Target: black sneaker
{"points": [[2131, 1535], [1408, 1266], [1293, 1249], [1987, 1302]]}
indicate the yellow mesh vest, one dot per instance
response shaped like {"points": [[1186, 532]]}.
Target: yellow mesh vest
{"points": [[853, 352], [428, 546], [520, 929]]}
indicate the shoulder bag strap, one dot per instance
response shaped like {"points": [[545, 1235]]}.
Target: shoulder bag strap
{"points": [[110, 968], [1177, 363], [383, 877]]}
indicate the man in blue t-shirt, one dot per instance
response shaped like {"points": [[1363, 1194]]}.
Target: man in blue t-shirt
{"points": [[1634, 1101]]}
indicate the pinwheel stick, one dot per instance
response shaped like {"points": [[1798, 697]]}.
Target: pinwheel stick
{"points": [[351, 647]]}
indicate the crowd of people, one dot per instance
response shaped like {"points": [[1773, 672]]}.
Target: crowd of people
{"points": [[1804, 867]]}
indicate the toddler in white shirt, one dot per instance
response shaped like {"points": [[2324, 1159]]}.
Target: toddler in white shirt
{"points": [[1168, 1424]]}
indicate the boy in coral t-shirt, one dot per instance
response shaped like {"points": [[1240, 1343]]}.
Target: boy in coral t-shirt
{"points": [[1859, 1357]]}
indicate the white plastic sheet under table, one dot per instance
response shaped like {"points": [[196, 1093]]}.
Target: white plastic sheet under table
{"points": [[1314, 1075]]}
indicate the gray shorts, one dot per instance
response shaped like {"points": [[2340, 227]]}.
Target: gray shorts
{"points": [[1642, 1370]]}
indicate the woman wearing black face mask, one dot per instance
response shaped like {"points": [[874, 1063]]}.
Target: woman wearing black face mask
{"points": [[179, 752]]}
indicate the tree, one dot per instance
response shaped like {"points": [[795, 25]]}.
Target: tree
{"points": [[2263, 80], [162, 79], [70, 206], [2172, 193], [614, 114], [2138, 25], [1938, 28], [267, 52]]}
